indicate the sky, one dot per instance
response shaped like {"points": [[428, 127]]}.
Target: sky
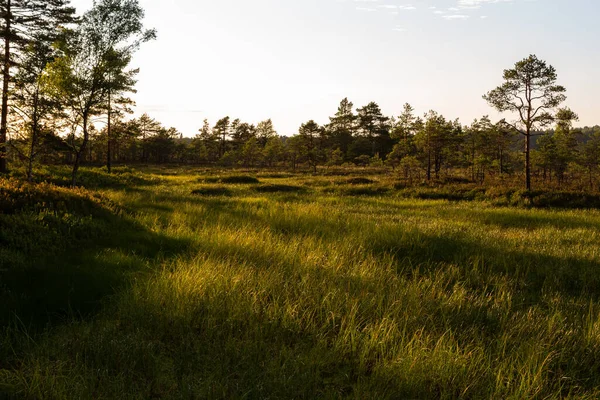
{"points": [[294, 60]]}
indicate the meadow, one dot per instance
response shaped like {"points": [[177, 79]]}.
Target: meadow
{"points": [[206, 284]]}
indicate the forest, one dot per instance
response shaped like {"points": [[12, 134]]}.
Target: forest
{"points": [[372, 256]]}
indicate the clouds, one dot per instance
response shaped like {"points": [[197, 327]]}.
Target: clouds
{"points": [[453, 17], [474, 4], [440, 10], [446, 9]]}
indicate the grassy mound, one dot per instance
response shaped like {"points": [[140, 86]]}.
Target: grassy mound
{"points": [[504, 196], [279, 189], [17, 197], [240, 180], [365, 191], [93, 178], [276, 176], [359, 181], [42, 227], [212, 192]]}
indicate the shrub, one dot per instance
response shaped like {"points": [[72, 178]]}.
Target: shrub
{"points": [[278, 189], [212, 192], [359, 181], [247, 180], [17, 196], [366, 191]]}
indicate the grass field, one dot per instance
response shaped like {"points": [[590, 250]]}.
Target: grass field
{"points": [[193, 284]]}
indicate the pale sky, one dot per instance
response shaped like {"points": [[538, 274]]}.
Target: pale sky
{"points": [[294, 60]]}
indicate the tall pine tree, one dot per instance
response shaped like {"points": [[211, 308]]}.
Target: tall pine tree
{"points": [[23, 22]]}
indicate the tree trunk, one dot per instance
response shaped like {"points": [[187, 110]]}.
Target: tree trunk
{"points": [[473, 178], [80, 152], [144, 149], [527, 160], [34, 137], [108, 136], [5, 82], [428, 165]]}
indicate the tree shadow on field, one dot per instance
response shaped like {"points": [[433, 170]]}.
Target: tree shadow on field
{"points": [[528, 219], [418, 252], [533, 272], [272, 335], [243, 342], [57, 266], [236, 346]]}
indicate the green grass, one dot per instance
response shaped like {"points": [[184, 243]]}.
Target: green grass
{"points": [[330, 290]]}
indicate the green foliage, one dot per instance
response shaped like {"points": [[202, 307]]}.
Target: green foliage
{"points": [[530, 91]]}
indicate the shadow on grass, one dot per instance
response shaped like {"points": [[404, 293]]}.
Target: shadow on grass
{"points": [[122, 178], [533, 273], [237, 347], [415, 250], [55, 265]]}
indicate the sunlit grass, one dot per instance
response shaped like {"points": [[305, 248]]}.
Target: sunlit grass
{"points": [[322, 294]]}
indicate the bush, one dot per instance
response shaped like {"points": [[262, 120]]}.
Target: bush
{"points": [[565, 200], [359, 181], [365, 191], [17, 197], [278, 189], [246, 180], [212, 192]]}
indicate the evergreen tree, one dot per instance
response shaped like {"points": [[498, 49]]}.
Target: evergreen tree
{"points": [[342, 126], [25, 23], [250, 153], [274, 151], [222, 130], [148, 127], [101, 47], [265, 131], [373, 125], [33, 108], [210, 142], [530, 90], [241, 132], [310, 132], [566, 142], [590, 154]]}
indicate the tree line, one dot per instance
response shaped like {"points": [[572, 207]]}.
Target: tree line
{"points": [[417, 148], [65, 75]]}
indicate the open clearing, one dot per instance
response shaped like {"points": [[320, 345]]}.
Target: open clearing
{"points": [[182, 284]]}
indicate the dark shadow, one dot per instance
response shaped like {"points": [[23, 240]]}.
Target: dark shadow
{"points": [[356, 181], [274, 188], [65, 264], [212, 191]]}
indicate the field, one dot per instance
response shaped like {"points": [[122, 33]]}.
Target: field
{"points": [[184, 284]]}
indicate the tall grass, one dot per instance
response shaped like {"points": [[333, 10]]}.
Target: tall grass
{"points": [[313, 294]]}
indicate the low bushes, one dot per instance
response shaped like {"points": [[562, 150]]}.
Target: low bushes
{"points": [[500, 196], [244, 180], [279, 189], [232, 180], [365, 191], [212, 192], [17, 196], [359, 181]]}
